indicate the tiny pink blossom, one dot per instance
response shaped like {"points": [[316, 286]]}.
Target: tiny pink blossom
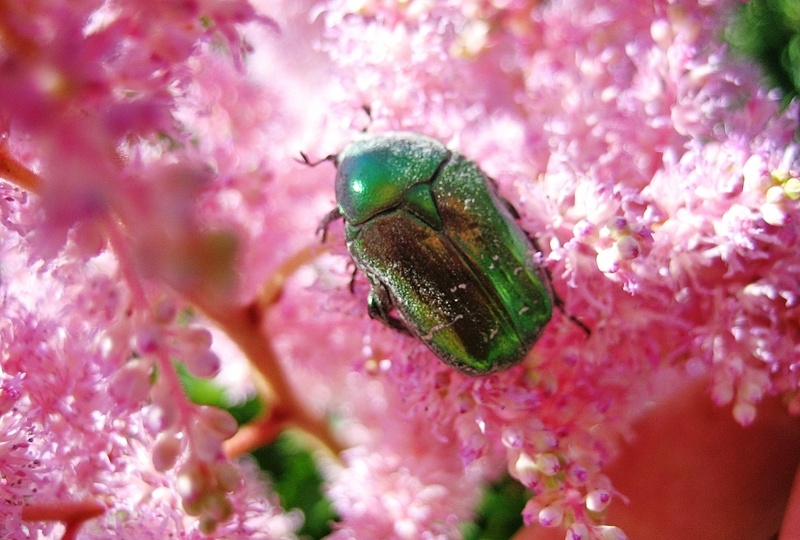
{"points": [[153, 213]]}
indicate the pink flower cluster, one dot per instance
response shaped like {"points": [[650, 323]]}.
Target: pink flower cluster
{"points": [[153, 210]]}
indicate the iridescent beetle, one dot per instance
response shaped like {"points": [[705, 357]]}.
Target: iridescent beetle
{"points": [[440, 246]]}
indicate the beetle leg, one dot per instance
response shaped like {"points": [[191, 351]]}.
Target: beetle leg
{"points": [[512, 210], [353, 280], [330, 217], [510, 207], [557, 301], [379, 304]]}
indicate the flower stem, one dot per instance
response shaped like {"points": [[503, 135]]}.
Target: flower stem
{"points": [[71, 513], [252, 436], [18, 174], [273, 288], [243, 325]]}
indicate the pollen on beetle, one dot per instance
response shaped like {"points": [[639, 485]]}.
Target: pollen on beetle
{"points": [[439, 327]]}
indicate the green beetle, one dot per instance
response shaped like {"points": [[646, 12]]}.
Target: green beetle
{"points": [[440, 246]]}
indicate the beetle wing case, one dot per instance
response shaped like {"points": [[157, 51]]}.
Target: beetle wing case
{"points": [[463, 279]]}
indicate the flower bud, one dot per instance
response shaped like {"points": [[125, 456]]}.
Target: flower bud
{"points": [[217, 506], [607, 532], [576, 474], [617, 225], [192, 507], [773, 214], [530, 514], [207, 525], [205, 364], [165, 310], [755, 173], [551, 516], [148, 339], [597, 500], [577, 531], [608, 260], [206, 444], [774, 194], [628, 247], [228, 476], [131, 383], [166, 450], [583, 229], [512, 438], [525, 469], [220, 421], [544, 440], [792, 188], [548, 464], [744, 413], [192, 486], [199, 337]]}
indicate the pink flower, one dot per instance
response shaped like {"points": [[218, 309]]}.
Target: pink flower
{"points": [[154, 212]]}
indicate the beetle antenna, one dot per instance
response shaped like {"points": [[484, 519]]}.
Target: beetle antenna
{"points": [[368, 110], [306, 161]]}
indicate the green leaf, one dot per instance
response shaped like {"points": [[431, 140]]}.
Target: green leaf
{"points": [[768, 32], [500, 511], [208, 392], [298, 483]]}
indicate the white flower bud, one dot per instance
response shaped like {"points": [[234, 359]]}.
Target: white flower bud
{"points": [[607, 532], [577, 531], [597, 500], [551, 516]]}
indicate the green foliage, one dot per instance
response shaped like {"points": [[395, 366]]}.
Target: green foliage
{"points": [[207, 392], [298, 483], [768, 31], [500, 512]]}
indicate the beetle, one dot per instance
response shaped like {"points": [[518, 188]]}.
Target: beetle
{"points": [[442, 249]]}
